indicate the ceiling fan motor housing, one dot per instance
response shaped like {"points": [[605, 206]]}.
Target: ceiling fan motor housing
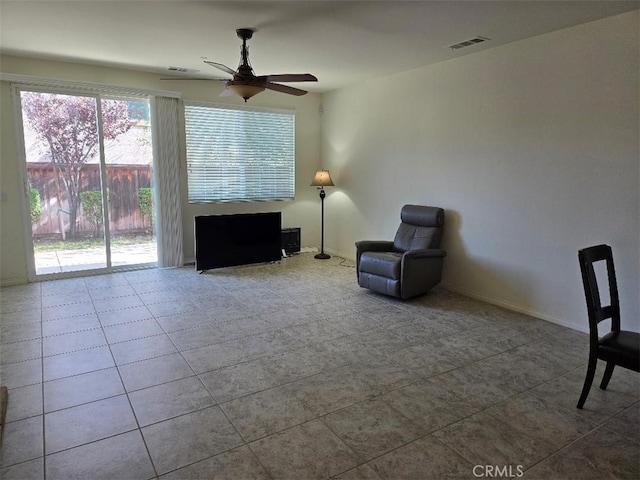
{"points": [[245, 33]]}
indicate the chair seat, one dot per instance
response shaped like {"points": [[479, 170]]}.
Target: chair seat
{"points": [[385, 264], [624, 346]]}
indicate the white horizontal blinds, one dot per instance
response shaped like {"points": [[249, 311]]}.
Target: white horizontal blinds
{"points": [[237, 155]]}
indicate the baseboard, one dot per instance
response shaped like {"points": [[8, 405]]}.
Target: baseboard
{"points": [[12, 281], [513, 307]]}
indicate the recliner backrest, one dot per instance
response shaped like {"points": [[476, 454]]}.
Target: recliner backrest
{"points": [[421, 228]]}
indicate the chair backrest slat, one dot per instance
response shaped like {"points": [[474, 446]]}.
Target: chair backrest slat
{"points": [[596, 311]]}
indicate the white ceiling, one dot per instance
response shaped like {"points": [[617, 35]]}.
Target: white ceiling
{"points": [[341, 42]]}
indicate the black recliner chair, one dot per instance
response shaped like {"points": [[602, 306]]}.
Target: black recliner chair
{"points": [[411, 264]]}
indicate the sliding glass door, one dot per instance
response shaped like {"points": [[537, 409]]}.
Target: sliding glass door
{"points": [[128, 159], [89, 169]]}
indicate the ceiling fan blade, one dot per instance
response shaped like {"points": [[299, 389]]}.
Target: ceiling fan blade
{"points": [[220, 66], [198, 78], [290, 77], [285, 89]]}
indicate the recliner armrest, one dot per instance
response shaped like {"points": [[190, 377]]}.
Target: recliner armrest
{"points": [[427, 253], [374, 246], [421, 271]]}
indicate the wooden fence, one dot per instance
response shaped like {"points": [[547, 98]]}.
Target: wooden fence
{"points": [[123, 182]]}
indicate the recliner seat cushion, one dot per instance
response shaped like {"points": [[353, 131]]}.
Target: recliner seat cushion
{"points": [[386, 264]]}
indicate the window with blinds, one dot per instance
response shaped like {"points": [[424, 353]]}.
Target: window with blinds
{"points": [[239, 154]]}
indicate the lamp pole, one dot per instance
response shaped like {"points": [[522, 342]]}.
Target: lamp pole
{"points": [[322, 255]]}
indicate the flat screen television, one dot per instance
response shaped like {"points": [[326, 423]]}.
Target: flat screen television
{"points": [[238, 239]]}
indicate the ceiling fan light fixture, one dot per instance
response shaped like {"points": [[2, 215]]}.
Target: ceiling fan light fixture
{"points": [[244, 90]]}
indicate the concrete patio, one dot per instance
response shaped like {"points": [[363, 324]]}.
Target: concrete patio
{"points": [[94, 258]]}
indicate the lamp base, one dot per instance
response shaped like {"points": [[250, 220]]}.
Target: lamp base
{"points": [[322, 256]]}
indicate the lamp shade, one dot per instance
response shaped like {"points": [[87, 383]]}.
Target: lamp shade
{"points": [[322, 179]]}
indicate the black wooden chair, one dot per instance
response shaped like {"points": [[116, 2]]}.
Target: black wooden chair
{"points": [[618, 347]]}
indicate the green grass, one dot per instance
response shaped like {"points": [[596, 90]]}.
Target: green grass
{"points": [[41, 246]]}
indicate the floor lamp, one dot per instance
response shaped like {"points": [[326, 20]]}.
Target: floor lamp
{"points": [[322, 179]]}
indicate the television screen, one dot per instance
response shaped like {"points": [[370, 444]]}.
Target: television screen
{"points": [[239, 239]]}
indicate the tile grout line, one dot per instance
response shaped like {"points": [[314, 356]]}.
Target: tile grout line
{"points": [[44, 430], [124, 388]]}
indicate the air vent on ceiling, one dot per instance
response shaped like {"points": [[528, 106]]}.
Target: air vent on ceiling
{"points": [[182, 70], [468, 43]]}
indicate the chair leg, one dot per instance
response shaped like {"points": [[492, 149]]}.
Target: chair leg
{"points": [[591, 371], [607, 375]]}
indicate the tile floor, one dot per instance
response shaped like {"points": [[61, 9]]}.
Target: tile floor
{"points": [[291, 371]]}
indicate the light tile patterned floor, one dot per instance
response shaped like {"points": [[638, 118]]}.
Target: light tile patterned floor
{"points": [[291, 371]]}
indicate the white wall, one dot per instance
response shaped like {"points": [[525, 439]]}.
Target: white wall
{"points": [[531, 148], [302, 212]]}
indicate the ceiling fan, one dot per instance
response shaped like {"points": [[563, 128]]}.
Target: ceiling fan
{"points": [[245, 83]]}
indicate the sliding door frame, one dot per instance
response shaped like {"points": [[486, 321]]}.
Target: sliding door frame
{"points": [[98, 97]]}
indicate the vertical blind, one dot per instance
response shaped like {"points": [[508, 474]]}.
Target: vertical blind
{"points": [[239, 154]]}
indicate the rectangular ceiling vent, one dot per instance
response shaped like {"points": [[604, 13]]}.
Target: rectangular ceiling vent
{"points": [[468, 43]]}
